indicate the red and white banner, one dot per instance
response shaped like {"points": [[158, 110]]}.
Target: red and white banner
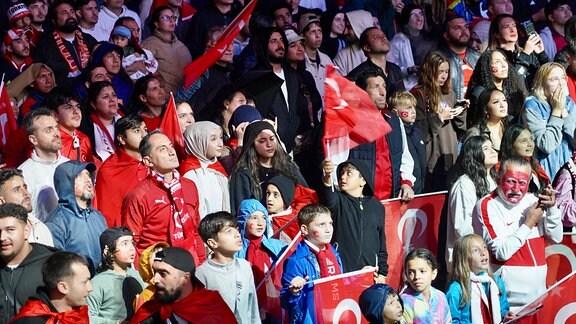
{"points": [[195, 69], [561, 259], [409, 226], [556, 306], [7, 119], [336, 297], [171, 128]]}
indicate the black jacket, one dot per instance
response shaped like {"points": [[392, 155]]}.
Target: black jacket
{"points": [[358, 226], [417, 149], [18, 284]]}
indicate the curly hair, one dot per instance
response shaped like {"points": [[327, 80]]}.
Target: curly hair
{"points": [[470, 162], [513, 87], [429, 76]]}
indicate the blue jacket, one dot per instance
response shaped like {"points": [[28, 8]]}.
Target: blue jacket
{"points": [[553, 136], [302, 263], [462, 314], [273, 246], [73, 228]]}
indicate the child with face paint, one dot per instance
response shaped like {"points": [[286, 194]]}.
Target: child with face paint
{"points": [[314, 258], [258, 247], [403, 103], [284, 199], [515, 224]]}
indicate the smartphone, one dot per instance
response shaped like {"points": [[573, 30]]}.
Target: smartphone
{"points": [[528, 28], [461, 103]]}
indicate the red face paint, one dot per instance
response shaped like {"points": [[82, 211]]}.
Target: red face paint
{"points": [[495, 69], [404, 114], [251, 226], [514, 185], [316, 233]]}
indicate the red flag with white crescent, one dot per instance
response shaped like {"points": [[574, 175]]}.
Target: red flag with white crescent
{"points": [[409, 226], [195, 69]]}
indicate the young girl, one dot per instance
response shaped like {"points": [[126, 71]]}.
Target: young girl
{"points": [[122, 36], [203, 147], [441, 121], [493, 118], [422, 302], [107, 301], [475, 295]]}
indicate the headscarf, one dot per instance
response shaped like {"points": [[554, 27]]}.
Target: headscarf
{"points": [[196, 138]]}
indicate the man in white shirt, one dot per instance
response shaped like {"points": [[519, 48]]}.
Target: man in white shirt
{"points": [[110, 12]]}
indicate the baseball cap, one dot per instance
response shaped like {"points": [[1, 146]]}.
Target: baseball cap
{"points": [[15, 34], [292, 37], [305, 20], [110, 235]]}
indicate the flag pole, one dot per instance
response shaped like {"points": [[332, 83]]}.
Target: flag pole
{"points": [[330, 157]]}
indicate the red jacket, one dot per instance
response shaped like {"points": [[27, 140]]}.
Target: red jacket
{"points": [[147, 211], [119, 174], [68, 150]]}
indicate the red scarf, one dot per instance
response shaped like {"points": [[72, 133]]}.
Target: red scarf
{"points": [[258, 258], [36, 308], [192, 163], [327, 261], [102, 127], [181, 224], [200, 306], [81, 50]]}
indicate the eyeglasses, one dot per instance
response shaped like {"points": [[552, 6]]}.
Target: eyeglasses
{"points": [[168, 18]]}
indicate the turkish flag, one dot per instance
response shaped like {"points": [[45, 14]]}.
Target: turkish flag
{"points": [[557, 305], [350, 116], [195, 69], [336, 297], [268, 290], [410, 226], [170, 127], [561, 259], [7, 120]]}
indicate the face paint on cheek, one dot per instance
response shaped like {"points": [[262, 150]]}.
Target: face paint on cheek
{"points": [[404, 114], [495, 69], [316, 233]]}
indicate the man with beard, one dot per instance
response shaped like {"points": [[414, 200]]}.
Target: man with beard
{"points": [[376, 46], [20, 261], [74, 224], [67, 49], [516, 225], [289, 106], [179, 296], [42, 130], [16, 53], [462, 58], [13, 190], [351, 56]]}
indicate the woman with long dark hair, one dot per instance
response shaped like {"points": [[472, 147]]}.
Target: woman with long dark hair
{"points": [[262, 158], [518, 141], [476, 178], [493, 120], [439, 119], [493, 70]]}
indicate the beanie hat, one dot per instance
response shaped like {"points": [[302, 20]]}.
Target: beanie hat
{"points": [[406, 12], [178, 258], [252, 131], [372, 302], [110, 235], [17, 11], [121, 31], [244, 113], [285, 186], [103, 49]]}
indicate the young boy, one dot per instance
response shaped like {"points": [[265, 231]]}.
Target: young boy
{"points": [[358, 217], [312, 254], [283, 201], [403, 103], [230, 276], [380, 304]]}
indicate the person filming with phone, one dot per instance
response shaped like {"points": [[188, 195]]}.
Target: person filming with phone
{"points": [[526, 61]]}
